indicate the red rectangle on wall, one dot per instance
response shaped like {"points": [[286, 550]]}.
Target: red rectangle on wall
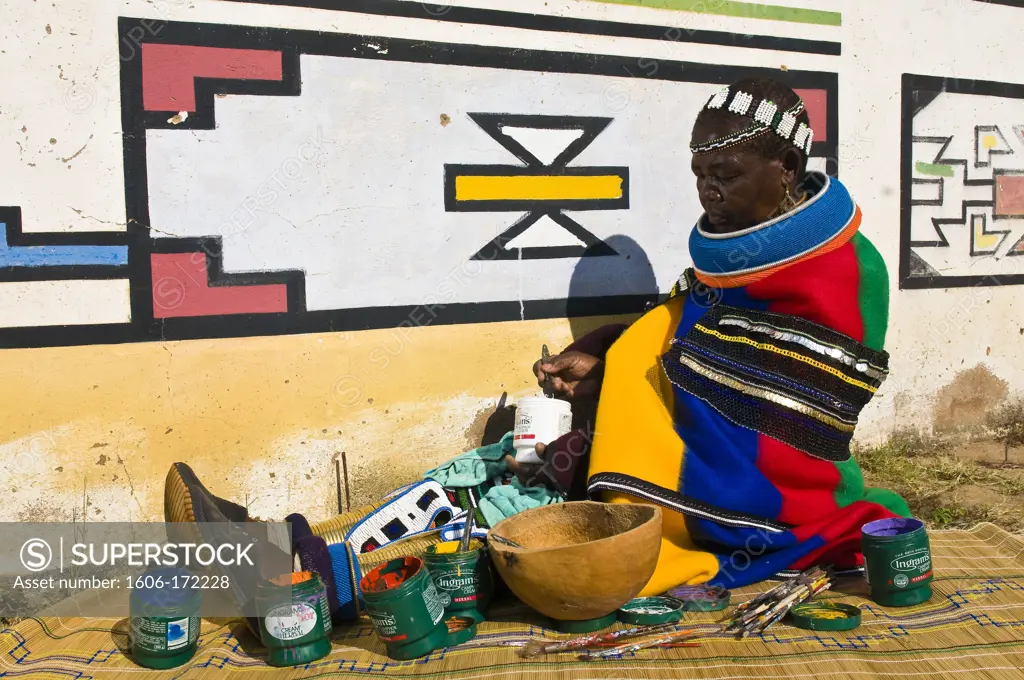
{"points": [[1009, 195]]}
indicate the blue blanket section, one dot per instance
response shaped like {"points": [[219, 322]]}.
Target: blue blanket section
{"points": [[738, 568], [59, 256], [720, 469]]}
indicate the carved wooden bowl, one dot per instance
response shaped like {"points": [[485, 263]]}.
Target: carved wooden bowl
{"points": [[578, 561]]}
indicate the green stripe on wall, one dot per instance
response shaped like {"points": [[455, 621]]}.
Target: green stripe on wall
{"points": [[938, 169], [745, 10]]}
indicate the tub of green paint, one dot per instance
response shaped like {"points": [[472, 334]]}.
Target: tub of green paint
{"points": [[163, 628], [463, 579], [406, 610], [297, 626], [897, 561]]}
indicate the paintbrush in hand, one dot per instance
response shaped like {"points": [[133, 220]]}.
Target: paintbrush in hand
{"points": [[545, 357]]}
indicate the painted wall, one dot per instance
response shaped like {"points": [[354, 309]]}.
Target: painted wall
{"points": [[253, 237]]}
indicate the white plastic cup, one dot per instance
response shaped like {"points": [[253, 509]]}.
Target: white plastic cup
{"points": [[539, 420]]}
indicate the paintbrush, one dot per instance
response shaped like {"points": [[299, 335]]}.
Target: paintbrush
{"points": [[537, 647], [545, 356], [467, 531], [776, 612], [764, 610], [635, 646], [491, 536]]}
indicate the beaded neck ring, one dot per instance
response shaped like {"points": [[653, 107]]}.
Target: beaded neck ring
{"points": [[765, 117]]}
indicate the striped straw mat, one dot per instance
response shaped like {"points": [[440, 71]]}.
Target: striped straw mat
{"points": [[973, 627]]}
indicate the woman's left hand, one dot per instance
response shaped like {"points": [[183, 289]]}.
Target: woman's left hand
{"points": [[531, 474]]}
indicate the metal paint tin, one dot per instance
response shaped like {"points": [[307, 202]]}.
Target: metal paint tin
{"points": [[825, 616], [897, 561], [163, 630], [651, 611], [463, 580], [297, 627], [405, 608], [701, 598]]}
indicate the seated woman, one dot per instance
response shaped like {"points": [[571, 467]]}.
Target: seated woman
{"points": [[732, 403]]}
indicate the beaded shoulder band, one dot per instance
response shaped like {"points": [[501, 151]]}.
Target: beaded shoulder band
{"points": [[765, 116]]}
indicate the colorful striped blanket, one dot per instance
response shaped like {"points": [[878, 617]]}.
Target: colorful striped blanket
{"points": [[734, 402]]}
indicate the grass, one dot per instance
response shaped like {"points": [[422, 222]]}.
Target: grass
{"points": [[942, 489]]}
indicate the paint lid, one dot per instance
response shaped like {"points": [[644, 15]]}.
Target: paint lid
{"points": [[701, 598], [825, 616], [651, 611]]}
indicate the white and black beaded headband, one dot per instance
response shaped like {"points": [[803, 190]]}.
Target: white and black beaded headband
{"points": [[765, 115]]}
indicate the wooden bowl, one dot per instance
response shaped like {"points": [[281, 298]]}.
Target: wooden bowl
{"points": [[578, 561]]}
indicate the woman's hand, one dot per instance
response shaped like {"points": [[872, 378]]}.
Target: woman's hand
{"points": [[531, 474], [574, 375]]}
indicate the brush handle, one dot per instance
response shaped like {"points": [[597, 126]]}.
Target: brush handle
{"points": [[588, 640], [636, 646]]}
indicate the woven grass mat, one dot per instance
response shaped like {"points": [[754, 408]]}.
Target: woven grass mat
{"points": [[973, 627]]}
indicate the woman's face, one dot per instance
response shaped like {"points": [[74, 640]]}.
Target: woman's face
{"points": [[738, 188]]}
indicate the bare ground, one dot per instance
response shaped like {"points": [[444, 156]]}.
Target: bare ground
{"points": [[950, 485]]}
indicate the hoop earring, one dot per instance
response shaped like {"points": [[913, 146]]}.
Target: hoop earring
{"points": [[785, 205], [788, 202]]}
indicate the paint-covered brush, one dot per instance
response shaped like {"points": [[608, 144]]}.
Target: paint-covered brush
{"points": [[537, 647], [763, 611], [669, 638]]}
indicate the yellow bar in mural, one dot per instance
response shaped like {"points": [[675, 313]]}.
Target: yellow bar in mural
{"points": [[537, 187]]}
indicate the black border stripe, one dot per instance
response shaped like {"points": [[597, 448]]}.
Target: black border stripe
{"points": [[16, 237], [617, 482], [556, 24], [1008, 3]]}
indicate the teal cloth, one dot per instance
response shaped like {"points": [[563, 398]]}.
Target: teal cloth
{"points": [[475, 467], [502, 502], [484, 464]]}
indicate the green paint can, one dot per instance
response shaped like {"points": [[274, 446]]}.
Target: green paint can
{"points": [[297, 626], [405, 608], [587, 625], [897, 561], [163, 630], [463, 579]]}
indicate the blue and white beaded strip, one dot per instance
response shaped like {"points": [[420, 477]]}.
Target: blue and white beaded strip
{"points": [[766, 117]]}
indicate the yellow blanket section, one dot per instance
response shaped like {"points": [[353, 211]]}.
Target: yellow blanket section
{"points": [[635, 436]]}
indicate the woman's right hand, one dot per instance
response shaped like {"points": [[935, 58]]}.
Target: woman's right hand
{"points": [[574, 375]]}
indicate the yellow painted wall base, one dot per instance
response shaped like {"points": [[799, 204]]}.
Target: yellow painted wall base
{"points": [[92, 430]]}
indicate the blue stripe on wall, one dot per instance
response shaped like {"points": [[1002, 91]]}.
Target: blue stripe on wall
{"points": [[59, 256]]}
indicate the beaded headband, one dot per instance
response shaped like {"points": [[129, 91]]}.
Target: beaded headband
{"points": [[765, 115]]}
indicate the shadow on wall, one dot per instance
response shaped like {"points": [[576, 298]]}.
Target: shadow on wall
{"points": [[630, 274]]}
